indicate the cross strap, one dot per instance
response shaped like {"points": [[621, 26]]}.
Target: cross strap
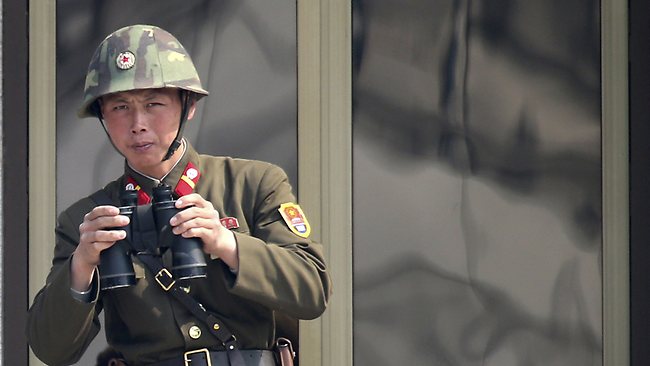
{"points": [[168, 284]]}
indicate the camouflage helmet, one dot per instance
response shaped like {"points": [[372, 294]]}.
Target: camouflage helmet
{"points": [[138, 57]]}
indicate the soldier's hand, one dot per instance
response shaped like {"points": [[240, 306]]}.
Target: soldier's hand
{"points": [[94, 237], [199, 219]]}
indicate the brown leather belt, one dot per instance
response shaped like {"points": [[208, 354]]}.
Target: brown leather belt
{"points": [[205, 357]]}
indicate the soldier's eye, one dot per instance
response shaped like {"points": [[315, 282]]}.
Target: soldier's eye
{"points": [[119, 107]]}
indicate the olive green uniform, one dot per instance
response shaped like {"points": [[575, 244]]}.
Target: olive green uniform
{"points": [[278, 271]]}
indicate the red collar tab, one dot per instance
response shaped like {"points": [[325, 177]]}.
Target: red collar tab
{"points": [[188, 180], [143, 197]]}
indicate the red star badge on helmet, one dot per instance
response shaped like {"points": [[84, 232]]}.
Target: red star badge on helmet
{"points": [[125, 60]]}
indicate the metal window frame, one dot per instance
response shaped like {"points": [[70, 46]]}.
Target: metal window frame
{"points": [[615, 182]]}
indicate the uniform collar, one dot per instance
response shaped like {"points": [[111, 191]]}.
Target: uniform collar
{"points": [[147, 183]]}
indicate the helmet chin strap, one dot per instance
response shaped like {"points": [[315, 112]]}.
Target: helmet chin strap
{"points": [[185, 107]]}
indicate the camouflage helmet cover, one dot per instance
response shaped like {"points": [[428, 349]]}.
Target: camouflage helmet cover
{"points": [[138, 57]]}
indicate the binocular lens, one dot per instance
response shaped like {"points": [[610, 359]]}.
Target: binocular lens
{"points": [[115, 265], [188, 260]]}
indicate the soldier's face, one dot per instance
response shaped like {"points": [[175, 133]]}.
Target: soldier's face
{"points": [[142, 124]]}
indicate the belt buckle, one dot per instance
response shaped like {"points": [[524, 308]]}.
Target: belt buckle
{"points": [[187, 356], [168, 277]]}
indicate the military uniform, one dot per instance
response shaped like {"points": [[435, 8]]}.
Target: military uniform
{"points": [[280, 270]]}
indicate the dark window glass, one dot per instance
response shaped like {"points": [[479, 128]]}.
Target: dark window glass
{"points": [[477, 182]]}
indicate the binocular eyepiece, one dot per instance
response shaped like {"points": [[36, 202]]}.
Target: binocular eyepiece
{"points": [[116, 267]]}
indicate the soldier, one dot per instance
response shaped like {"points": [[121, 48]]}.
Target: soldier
{"points": [[257, 258]]}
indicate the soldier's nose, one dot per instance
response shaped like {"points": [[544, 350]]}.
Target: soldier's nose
{"points": [[139, 122]]}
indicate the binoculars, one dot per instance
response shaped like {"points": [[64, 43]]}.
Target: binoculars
{"points": [[147, 230]]}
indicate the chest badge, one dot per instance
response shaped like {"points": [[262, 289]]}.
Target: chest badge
{"points": [[229, 222], [295, 219]]}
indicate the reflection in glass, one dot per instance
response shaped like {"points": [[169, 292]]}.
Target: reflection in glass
{"points": [[245, 53], [477, 200]]}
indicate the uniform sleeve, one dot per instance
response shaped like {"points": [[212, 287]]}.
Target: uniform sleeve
{"points": [[60, 327], [277, 268]]}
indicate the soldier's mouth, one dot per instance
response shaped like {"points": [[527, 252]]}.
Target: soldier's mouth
{"points": [[142, 147]]}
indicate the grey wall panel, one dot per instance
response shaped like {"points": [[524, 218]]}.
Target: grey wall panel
{"points": [[477, 187]]}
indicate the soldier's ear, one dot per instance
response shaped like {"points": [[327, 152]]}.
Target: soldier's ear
{"points": [[190, 113]]}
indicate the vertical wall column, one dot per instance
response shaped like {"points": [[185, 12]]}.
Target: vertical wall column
{"points": [[325, 166], [616, 268], [42, 144], [639, 184], [14, 182]]}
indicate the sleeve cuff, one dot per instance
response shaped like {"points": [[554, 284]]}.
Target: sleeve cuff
{"points": [[233, 271], [90, 295]]}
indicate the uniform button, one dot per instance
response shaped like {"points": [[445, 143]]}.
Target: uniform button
{"points": [[194, 332]]}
